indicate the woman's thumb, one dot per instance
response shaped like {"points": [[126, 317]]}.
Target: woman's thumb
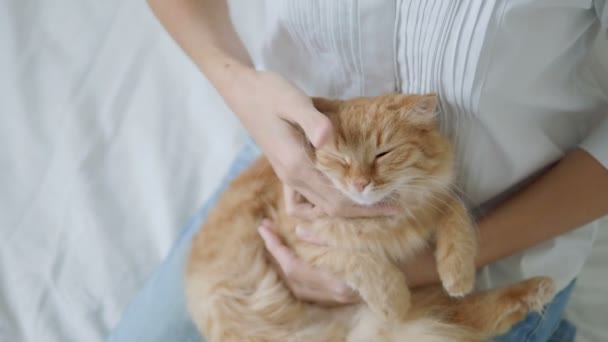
{"points": [[317, 127]]}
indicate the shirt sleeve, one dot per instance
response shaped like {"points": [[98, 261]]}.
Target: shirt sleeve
{"points": [[597, 143]]}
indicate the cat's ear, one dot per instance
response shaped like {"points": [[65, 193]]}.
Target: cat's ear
{"points": [[424, 111], [326, 106]]}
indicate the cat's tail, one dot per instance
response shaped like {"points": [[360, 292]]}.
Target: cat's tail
{"points": [[265, 315], [253, 305]]}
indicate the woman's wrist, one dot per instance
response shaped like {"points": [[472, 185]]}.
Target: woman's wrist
{"points": [[226, 73]]}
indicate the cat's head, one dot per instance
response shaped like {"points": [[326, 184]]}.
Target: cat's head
{"points": [[385, 147]]}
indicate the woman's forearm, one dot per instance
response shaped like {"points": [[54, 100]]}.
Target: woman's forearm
{"points": [[568, 195], [203, 29], [572, 193]]}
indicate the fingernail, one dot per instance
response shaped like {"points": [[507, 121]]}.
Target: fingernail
{"points": [[263, 231], [267, 223], [303, 233]]}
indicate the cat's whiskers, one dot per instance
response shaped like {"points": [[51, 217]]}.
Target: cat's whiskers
{"points": [[435, 183], [429, 197], [454, 187], [427, 205], [409, 214], [436, 199]]}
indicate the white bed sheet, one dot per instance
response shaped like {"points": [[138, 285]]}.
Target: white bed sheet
{"points": [[110, 140]]}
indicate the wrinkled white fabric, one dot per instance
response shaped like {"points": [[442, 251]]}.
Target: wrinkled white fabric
{"points": [[110, 140], [512, 77]]}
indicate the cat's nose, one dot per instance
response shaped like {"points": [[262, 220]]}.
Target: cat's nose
{"points": [[360, 184]]}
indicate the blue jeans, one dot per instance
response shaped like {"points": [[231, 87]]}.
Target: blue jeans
{"points": [[158, 312]]}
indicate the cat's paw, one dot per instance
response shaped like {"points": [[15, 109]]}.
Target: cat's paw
{"points": [[457, 277], [520, 299], [541, 291]]}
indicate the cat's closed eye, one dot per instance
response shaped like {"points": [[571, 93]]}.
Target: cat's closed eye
{"points": [[382, 154]]}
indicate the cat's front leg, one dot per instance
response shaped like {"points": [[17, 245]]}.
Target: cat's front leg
{"points": [[380, 284], [456, 249]]}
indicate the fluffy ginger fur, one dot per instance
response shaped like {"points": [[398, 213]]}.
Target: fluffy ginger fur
{"points": [[385, 150]]}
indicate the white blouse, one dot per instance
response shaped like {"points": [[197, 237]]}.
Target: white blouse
{"points": [[511, 76]]}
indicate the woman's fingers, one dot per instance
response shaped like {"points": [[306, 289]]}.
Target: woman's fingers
{"points": [[321, 198], [282, 255], [316, 126], [305, 281], [298, 206], [269, 106]]}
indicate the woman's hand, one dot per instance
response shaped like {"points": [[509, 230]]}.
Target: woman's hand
{"points": [[305, 282], [310, 284], [269, 106], [265, 102]]}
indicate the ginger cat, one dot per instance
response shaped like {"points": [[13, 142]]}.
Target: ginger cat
{"points": [[385, 149]]}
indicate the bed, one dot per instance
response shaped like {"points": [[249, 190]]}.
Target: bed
{"points": [[110, 140]]}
